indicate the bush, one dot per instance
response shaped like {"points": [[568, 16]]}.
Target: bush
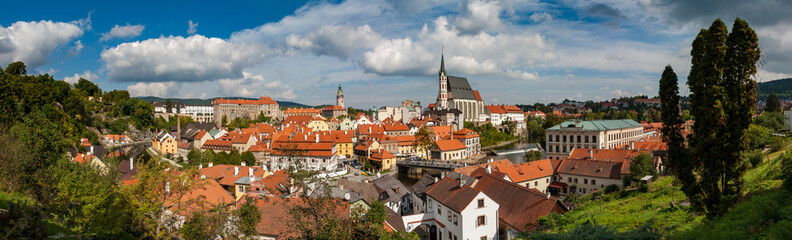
{"points": [[643, 187], [626, 181], [611, 189], [777, 144], [753, 156], [786, 169]]}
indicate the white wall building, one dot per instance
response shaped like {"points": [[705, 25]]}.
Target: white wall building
{"points": [[598, 134]]}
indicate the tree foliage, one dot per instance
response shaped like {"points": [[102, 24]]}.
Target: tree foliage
{"points": [[722, 101], [672, 123], [772, 104]]}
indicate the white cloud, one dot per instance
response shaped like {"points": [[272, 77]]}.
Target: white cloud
{"points": [[251, 85], [541, 17], [87, 75], [333, 40], [620, 93], [34, 42], [479, 15], [192, 59], [500, 54], [193, 27], [78, 46], [127, 31], [156, 89]]}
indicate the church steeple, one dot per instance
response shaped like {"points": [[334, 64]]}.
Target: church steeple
{"points": [[442, 63], [340, 96]]}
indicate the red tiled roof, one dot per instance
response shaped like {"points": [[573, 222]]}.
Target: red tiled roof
{"points": [[302, 110], [380, 155], [333, 108], [441, 131], [217, 144], [520, 207], [465, 133], [396, 127], [528, 170], [469, 169], [477, 95], [495, 109], [83, 158], [451, 144], [85, 142], [448, 192], [276, 219], [592, 168], [276, 184]]}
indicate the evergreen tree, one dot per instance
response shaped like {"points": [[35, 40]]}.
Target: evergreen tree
{"points": [[722, 99], [672, 126], [772, 105]]}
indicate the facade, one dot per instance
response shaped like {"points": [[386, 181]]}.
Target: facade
{"points": [[446, 150], [597, 134], [164, 143], [302, 112], [382, 160], [456, 211], [313, 151], [243, 108], [471, 140], [498, 114], [346, 124]]}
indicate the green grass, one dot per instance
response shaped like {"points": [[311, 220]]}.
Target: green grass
{"points": [[623, 210], [764, 213]]}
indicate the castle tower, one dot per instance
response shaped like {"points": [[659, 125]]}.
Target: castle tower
{"points": [[340, 96], [442, 96]]}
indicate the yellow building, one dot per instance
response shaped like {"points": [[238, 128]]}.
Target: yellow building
{"points": [[382, 160], [318, 124], [364, 149], [164, 143]]}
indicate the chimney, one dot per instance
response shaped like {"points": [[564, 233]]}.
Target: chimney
{"points": [[489, 169], [461, 183], [317, 138], [490, 160], [211, 164], [200, 166], [167, 187], [305, 137], [548, 196], [236, 170], [435, 180], [341, 186], [91, 149], [178, 128], [632, 145], [591, 154], [131, 164], [250, 171], [243, 164]]}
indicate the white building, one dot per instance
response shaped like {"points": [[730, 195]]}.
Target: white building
{"points": [[456, 211], [597, 134]]}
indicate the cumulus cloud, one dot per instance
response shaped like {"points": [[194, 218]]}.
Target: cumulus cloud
{"points": [[620, 93], [155, 89], [501, 54], [603, 10], [541, 17], [479, 15], [126, 31], [192, 27], [333, 40], [251, 85], [87, 75], [33, 42], [192, 59]]}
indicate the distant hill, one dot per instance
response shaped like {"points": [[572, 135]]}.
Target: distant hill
{"points": [[781, 87], [196, 101]]}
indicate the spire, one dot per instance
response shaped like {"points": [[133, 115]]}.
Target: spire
{"points": [[442, 63], [340, 91]]}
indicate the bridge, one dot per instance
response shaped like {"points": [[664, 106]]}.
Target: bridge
{"points": [[145, 143], [430, 164]]}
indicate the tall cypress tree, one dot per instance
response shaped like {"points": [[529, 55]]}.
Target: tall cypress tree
{"points": [[675, 159], [722, 99]]}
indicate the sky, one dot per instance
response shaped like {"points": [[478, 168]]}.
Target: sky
{"points": [[380, 51]]}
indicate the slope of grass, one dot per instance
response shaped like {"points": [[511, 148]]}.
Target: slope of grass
{"points": [[765, 212], [628, 210]]}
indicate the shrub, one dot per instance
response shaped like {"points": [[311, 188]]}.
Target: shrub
{"points": [[611, 188], [777, 144], [626, 181], [786, 169], [753, 156], [643, 187]]}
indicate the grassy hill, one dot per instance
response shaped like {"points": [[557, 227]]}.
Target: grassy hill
{"points": [[196, 101], [766, 211], [782, 88]]}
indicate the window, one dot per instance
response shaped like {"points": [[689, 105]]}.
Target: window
{"points": [[450, 236], [575, 180], [481, 203], [536, 183], [481, 220], [593, 182], [483, 238], [449, 216], [241, 188], [578, 138], [585, 181], [456, 219], [564, 138]]}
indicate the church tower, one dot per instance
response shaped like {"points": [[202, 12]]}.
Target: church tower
{"points": [[340, 97], [442, 96]]}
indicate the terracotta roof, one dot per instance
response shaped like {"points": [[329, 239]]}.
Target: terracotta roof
{"points": [[451, 144], [469, 169], [367, 129], [276, 184], [229, 179], [276, 219], [431, 105], [406, 140], [85, 142], [477, 95], [333, 108], [380, 155], [211, 193], [184, 145], [441, 131], [592, 168], [528, 170], [396, 127], [520, 207], [465, 133], [302, 110], [448, 192], [495, 109], [83, 158], [200, 134]]}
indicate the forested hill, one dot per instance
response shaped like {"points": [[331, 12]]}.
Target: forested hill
{"points": [[196, 101], [781, 87]]}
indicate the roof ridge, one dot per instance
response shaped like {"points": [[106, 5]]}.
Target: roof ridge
{"points": [[518, 185]]}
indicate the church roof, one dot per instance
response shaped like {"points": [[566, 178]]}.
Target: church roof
{"points": [[460, 88]]}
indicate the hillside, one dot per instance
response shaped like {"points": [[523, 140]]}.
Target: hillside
{"points": [[197, 101], [782, 88], [766, 212]]}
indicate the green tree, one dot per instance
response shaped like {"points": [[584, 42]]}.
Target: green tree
{"points": [[771, 120], [88, 87], [248, 158], [722, 102], [16, 68], [641, 166], [197, 227], [772, 105], [533, 155], [249, 217], [758, 136], [168, 105], [672, 127], [423, 140]]}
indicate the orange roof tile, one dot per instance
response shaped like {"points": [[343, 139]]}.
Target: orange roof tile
{"points": [[477, 95], [528, 170], [451, 144]]}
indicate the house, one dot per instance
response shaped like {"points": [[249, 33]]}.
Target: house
{"points": [[344, 143], [164, 143], [451, 149], [583, 176], [302, 112], [346, 124], [364, 149], [561, 139], [89, 158], [382, 160], [217, 145], [456, 211], [314, 151], [396, 129], [520, 207], [471, 140], [318, 124], [230, 109], [117, 139]]}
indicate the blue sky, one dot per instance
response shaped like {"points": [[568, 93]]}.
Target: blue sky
{"points": [[381, 51]]}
